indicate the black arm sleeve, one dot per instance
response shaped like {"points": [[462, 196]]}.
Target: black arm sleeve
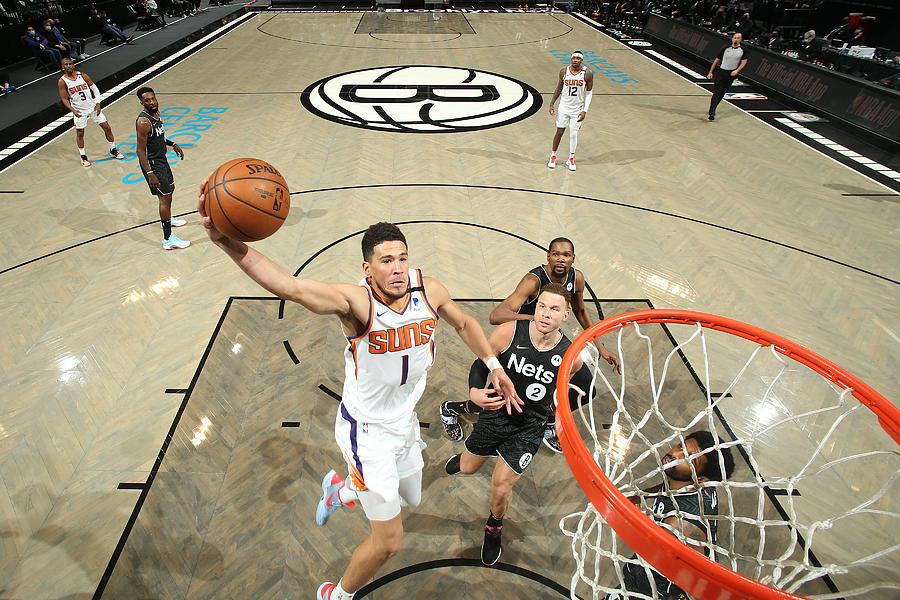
{"points": [[478, 374]]}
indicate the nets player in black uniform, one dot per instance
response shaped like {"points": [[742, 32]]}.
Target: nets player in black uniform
{"points": [[151, 152], [530, 352], [520, 306], [682, 504]]}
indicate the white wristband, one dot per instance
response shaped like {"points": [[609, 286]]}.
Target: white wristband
{"points": [[492, 363]]}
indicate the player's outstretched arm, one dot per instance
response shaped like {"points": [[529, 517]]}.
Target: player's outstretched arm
{"points": [[481, 394], [581, 315], [471, 333], [528, 287], [320, 298], [687, 529]]}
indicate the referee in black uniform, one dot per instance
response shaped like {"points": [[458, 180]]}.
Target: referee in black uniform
{"points": [[730, 61]]}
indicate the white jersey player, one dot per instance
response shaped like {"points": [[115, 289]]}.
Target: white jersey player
{"points": [[82, 97], [386, 364], [576, 83], [384, 376], [389, 324]]}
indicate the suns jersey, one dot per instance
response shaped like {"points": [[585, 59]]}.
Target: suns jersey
{"points": [[80, 96], [573, 91], [385, 366]]}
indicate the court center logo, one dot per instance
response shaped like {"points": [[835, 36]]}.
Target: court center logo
{"points": [[421, 99]]}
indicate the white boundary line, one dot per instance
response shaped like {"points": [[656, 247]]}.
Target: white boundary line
{"points": [[224, 30], [675, 64], [591, 23], [867, 162]]}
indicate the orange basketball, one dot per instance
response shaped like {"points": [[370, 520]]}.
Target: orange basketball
{"points": [[247, 199]]}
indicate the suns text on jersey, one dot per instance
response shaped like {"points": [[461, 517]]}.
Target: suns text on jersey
{"points": [[401, 338]]}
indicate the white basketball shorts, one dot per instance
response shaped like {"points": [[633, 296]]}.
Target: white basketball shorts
{"points": [[568, 119], [91, 114], [378, 456]]}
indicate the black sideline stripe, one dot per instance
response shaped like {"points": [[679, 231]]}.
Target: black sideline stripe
{"points": [[290, 423], [290, 351], [462, 562], [130, 486], [491, 187], [869, 195], [328, 391], [176, 390], [145, 489]]}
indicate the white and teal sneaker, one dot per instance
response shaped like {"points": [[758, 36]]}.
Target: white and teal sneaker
{"points": [[173, 243], [176, 222], [331, 499]]}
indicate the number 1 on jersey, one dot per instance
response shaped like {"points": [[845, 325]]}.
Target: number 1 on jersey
{"points": [[404, 373]]}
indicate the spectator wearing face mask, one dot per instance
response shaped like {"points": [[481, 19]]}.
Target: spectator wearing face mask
{"points": [[56, 40], [811, 47], [40, 47]]}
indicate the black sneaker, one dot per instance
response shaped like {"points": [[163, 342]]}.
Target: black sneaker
{"points": [[711, 117], [116, 154], [490, 548], [450, 420]]}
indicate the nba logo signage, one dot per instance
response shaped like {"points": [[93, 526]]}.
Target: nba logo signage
{"points": [[421, 99]]}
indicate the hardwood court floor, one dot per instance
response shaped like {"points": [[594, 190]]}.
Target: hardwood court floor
{"points": [[105, 331]]}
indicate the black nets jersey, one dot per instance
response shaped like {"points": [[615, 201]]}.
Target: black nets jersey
{"points": [[541, 274], [533, 373], [694, 507], [156, 139]]}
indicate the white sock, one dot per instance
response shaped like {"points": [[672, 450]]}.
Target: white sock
{"points": [[112, 145], [553, 154], [339, 594], [346, 495], [81, 152]]}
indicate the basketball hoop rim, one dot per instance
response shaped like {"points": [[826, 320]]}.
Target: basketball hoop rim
{"points": [[682, 565]]}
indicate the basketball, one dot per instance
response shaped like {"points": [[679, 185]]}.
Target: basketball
{"points": [[247, 199]]}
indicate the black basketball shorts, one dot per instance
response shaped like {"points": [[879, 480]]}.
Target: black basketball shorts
{"points": [[515, 444], [636, 581], [164, 173]]}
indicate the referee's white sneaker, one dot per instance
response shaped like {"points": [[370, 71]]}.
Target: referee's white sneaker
{"points": [[571, 164]]}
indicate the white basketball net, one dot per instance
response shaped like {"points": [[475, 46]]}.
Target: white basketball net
{"points": [[832, 470]]}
